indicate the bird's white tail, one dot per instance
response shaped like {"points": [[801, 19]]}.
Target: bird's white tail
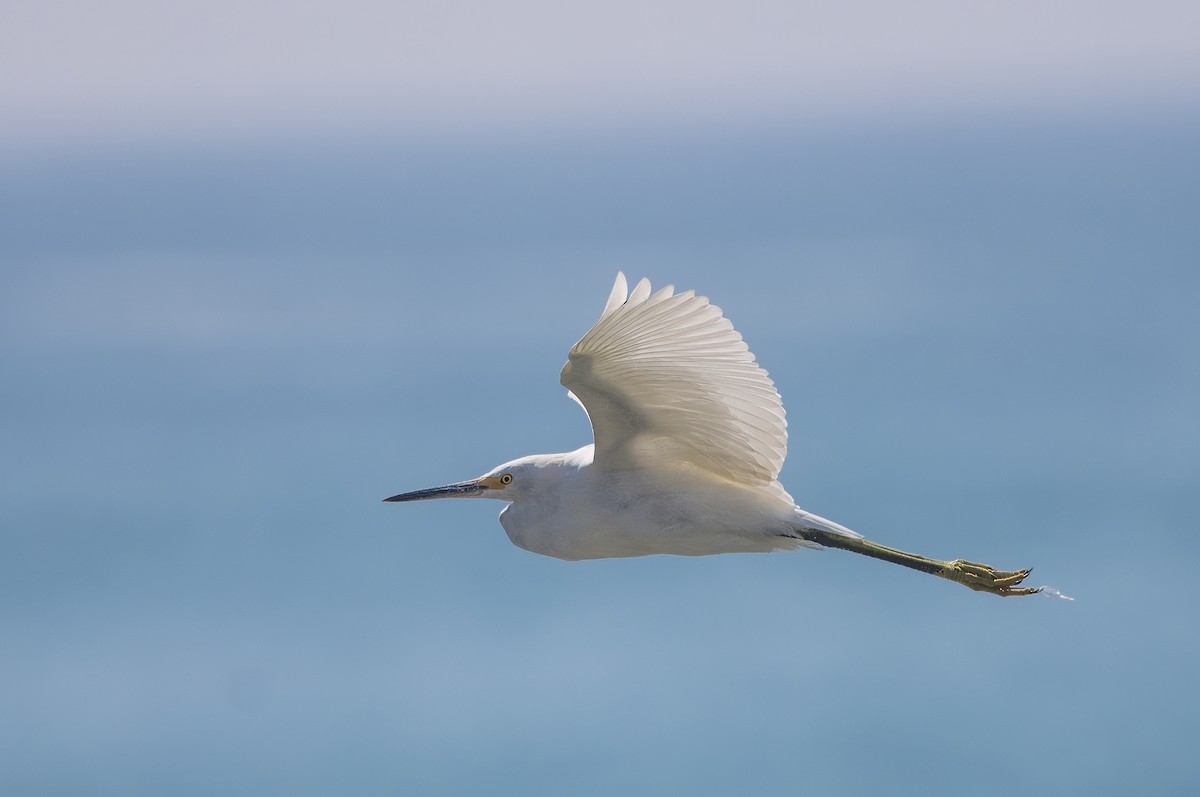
{"points": [[807, 520]]}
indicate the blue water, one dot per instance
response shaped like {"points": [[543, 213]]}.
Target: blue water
{"points": [[218, 359]]}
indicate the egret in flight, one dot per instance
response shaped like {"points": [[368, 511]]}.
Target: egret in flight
{"points": [[689, 439]]}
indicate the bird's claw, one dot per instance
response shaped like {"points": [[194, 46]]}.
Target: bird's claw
{"points": [[983, 578]]}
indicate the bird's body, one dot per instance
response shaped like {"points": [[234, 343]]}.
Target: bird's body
{"points": [[575, 510], [689, 439]]}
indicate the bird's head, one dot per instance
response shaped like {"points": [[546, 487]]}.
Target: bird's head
{"points": [[507, 482]]}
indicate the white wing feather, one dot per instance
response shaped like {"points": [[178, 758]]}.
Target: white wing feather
{"points": [[667, 376]]}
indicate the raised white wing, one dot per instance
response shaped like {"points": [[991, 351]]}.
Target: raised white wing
{"points": [[667, 376]]}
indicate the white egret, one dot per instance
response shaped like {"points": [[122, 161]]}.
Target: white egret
{"points": [[689, 439]]}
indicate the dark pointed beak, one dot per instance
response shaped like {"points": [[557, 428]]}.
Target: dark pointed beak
{"points": [[467, 489]]}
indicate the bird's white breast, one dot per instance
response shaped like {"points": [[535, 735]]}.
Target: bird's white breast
{"points": [[593, 514]]}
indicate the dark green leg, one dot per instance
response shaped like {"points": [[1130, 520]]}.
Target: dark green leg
{"points": [[980, 578]]}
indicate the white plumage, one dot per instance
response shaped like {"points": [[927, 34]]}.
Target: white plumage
{"points": [[690, 435], [667, 378]]}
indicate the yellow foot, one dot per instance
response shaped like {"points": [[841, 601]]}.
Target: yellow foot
{"points": [[982, 578]]}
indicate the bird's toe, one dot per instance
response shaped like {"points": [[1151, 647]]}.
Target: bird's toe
{"points": [[984, 578]]}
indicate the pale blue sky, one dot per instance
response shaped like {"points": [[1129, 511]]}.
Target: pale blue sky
{"points": [[144, 71], [262, 266]]}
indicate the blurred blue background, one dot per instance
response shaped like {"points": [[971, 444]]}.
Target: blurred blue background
{"points": [[264, 265]]}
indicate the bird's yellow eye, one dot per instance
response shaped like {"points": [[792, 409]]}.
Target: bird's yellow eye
{"points": [[506, 478]]}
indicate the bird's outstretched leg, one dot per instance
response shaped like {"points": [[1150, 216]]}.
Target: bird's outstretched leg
{"points": [[980, 578]]}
